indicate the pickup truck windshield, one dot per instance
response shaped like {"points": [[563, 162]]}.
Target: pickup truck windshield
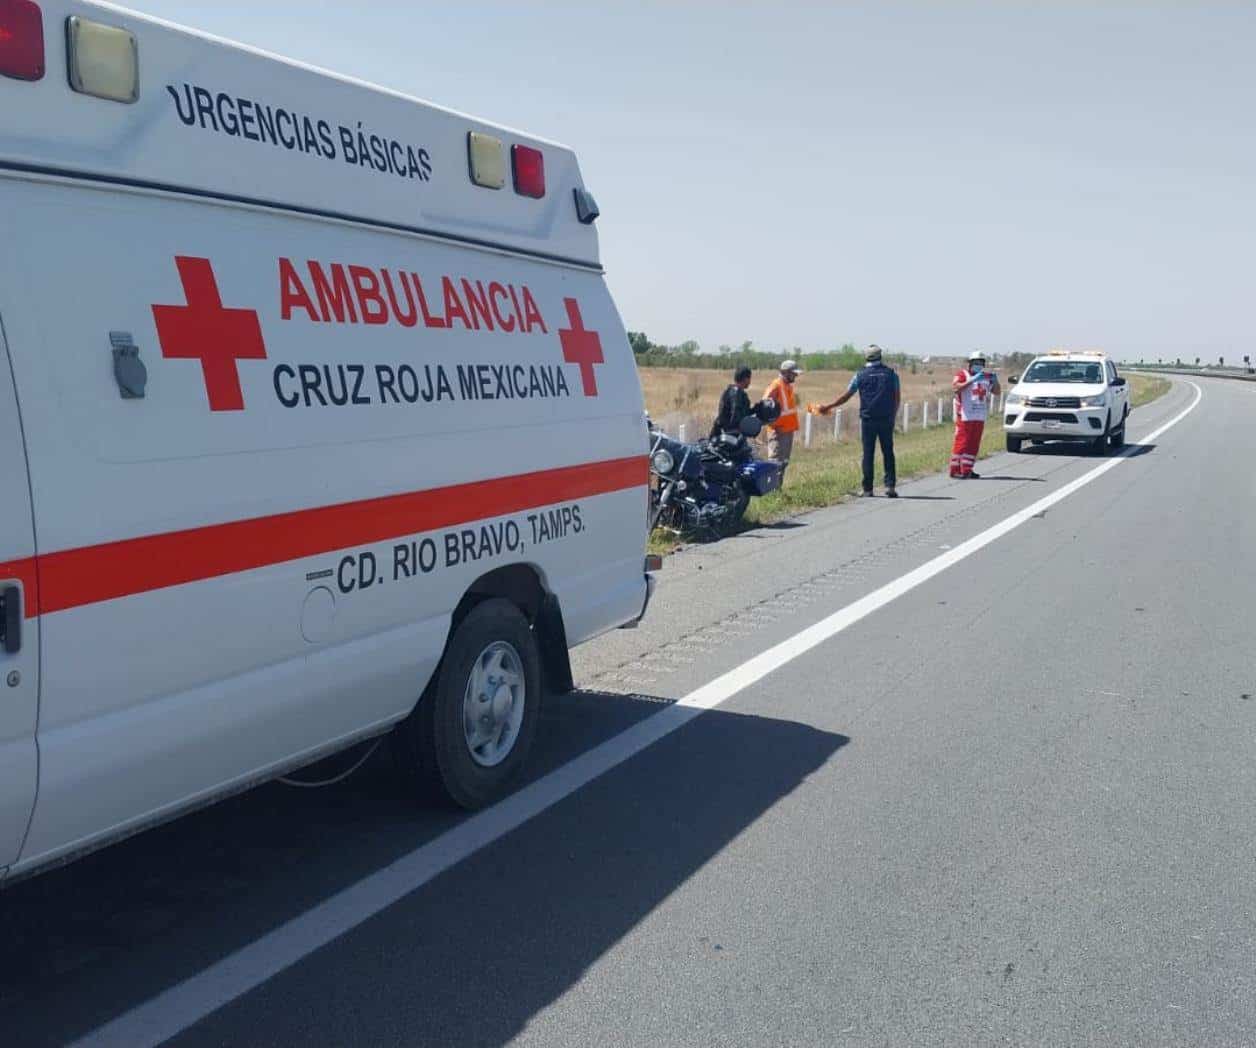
{"points": [[1063, 371]]}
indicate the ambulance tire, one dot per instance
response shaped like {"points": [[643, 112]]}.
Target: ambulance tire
{"points": [[431, 748]]}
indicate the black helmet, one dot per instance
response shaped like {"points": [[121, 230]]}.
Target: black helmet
{"points": [[767, 411]]}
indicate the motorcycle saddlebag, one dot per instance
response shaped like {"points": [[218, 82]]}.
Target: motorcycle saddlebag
{"points": [[762, 477]]}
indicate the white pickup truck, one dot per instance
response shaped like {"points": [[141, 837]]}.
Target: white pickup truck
{"points": [[1068, 396]]}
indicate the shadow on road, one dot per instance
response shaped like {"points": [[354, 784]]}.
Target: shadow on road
{"points": [[1067, 450], [532, 911]]}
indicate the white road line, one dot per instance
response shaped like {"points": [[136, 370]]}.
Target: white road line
{"points": [[186, 1003]]}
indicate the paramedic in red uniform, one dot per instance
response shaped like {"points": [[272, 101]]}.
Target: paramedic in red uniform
{"points": [[973, 391]]}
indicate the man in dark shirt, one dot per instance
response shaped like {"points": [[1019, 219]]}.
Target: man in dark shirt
{"points": [[734, 404], [878, 389]]}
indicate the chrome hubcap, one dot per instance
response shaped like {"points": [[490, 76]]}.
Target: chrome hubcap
{"points": [[493, 705]]}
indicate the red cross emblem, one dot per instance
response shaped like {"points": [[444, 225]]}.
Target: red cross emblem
{"points": [[205, 330], [979, 390], [581, 347]]}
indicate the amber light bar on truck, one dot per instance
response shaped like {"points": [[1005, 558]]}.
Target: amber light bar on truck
{"points": [[21, 40]]}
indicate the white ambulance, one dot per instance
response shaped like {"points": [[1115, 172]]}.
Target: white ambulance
{"points": [[317, 423]]}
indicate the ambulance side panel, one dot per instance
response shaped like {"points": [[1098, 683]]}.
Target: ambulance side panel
{"points": [[240, 576], [19, 667]]}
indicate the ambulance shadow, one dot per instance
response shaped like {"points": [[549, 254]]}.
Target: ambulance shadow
{"points": [[499, 937]]}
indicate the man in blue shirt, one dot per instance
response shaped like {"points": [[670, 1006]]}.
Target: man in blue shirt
{"points": [[878, 389]]}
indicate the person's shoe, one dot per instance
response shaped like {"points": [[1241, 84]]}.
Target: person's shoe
{"points": [[956, 475], [972, 476], [890, 493], [866, 494]]}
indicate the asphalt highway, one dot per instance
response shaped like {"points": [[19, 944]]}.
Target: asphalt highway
{"points": [[1010, 798]]}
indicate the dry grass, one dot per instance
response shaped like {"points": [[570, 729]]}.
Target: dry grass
{"points": [[689, 396], [1147, 388]]}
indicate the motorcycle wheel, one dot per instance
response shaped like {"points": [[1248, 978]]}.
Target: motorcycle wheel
{"points": [[656, 510], [732, 519], [669, 516]]}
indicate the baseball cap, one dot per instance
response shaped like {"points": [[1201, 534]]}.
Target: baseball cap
{"points": [[873, 353], [790, 365]]}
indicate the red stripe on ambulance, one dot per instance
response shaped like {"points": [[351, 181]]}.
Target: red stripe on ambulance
{"points": [[77, 577]]}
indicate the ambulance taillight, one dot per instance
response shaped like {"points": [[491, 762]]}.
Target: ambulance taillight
{"points": [[529, 169], [21, 40]]}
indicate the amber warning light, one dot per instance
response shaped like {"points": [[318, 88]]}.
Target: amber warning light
{"points": [[21, 40]]}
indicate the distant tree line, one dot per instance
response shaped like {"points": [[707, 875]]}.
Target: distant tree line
{"points": [[689, 355]]}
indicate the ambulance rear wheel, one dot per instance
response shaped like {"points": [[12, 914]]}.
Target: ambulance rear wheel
{"points": [[470, 734]]}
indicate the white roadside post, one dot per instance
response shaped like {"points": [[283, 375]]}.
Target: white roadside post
{"points": [[680, 433], [806, 430], [924, 416], [837, 424], [906, 414], [941, 411]]}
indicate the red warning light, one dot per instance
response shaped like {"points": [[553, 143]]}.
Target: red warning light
{"points": [[21, 40], [529, 165]]}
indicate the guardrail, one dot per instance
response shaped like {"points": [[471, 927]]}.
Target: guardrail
{"points": [[1230, 373]]}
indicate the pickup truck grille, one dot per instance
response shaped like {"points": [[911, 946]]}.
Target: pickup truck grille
{"points": [[1046, 416], [1054, 402]]}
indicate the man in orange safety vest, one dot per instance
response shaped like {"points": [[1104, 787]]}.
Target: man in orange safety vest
{"points": [[781, 391]]}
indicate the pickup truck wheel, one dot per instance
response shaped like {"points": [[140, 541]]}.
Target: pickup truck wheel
{"points": [[1014, 445], [471, 732], [1116, 439]]}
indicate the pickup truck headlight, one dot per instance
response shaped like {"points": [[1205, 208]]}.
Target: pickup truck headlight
{"points": [[1095, 402], [1015, 398], [662, 461]]}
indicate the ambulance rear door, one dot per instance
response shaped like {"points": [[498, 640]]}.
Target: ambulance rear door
{"points": [[19, 638]]}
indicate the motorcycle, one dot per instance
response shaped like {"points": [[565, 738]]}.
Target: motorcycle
{"points": [[707, 486]]}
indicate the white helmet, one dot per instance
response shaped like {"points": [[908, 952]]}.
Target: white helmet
{"points": [[976, 354]]}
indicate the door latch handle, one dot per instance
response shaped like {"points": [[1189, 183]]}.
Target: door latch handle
{"points": [[11, 619]]}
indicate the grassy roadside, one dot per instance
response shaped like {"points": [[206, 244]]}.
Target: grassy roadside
{"points": [[830, 474], [1147, 388]]}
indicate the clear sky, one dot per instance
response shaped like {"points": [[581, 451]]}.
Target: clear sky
{"points": [[930, 177]]}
